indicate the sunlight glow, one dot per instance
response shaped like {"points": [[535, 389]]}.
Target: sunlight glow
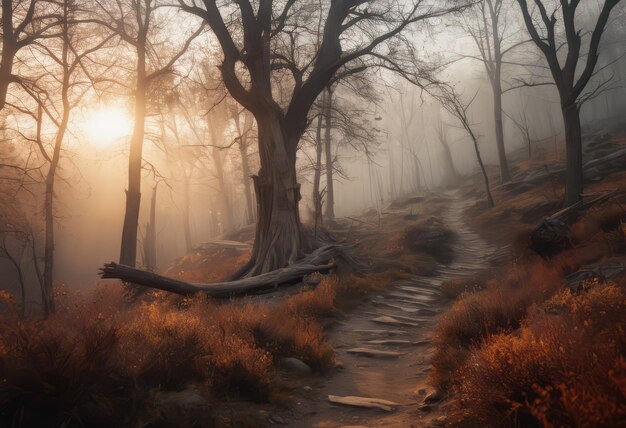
{"points": [[106, 125]]}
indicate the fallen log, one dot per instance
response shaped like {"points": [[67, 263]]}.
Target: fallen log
{"points": [[319, 260]]}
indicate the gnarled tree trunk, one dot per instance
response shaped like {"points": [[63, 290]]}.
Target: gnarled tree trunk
{"points": [[278, 236]]}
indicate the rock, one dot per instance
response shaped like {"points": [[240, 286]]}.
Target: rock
{"points": [[392, 342], [366, 402], [382, 332], [366, 352], [392, 321], [433, 240], [433, 397], [308, 388], [587, 278], [295, 365], [277, 419], [550, 238]]}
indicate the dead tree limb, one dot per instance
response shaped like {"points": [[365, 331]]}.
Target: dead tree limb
{"points": [[320, 260]]}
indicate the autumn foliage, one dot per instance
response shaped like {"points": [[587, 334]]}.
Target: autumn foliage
{"points": [[527, 348], [101, 362]]}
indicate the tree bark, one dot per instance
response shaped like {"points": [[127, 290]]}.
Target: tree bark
{"points": [[574, 154], [317, 196], [245, 171], [128, 251], [9, 50], [482, 166], [330, 192], [6, 68], [278, 236], [505, 174], [186, 211], [317, 261], [149, 248]]}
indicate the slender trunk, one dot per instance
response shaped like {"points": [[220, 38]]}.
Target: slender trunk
{"points": [[505, 174], [447, 156], [150, 239], [47, 293], [278, 239], [128, 251], [20, 273], [330, 192], [227, 212], [482, 167], [317, 197], [574, 154], [186, 211]]}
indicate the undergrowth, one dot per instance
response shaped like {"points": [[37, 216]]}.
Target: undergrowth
{"points": [[522, 349], [100, 362]]}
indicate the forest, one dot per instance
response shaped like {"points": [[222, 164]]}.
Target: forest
{"points": [[312, 213]]}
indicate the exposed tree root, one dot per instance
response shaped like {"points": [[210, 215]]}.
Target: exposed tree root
{"points": [[320, 260]]}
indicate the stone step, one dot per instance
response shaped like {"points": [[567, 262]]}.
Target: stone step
{"points": [[375, 353]]}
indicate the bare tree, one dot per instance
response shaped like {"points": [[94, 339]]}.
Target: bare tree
{"points": [[570, 83], [135, 22], [488, 26], [452, 102], [248, 70], [56, 95], [24, 23]]}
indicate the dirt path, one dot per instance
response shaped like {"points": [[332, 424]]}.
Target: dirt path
{"points": [[384, 345]]}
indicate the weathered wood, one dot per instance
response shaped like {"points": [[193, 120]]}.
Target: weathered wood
{"points": [[366, 402], [319, 260]]}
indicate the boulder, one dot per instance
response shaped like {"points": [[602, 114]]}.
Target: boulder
{"points": [[550, 238]]}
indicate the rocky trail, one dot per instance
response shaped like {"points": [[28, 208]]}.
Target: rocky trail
{"points": [[384, 347]]}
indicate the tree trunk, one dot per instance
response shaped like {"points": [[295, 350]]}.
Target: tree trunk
{"points": [[330, 192], [278, 237], [149, 248], [6, 68], [453, 175], [9, 50], [226, 211], [482, 167], [245, 170], [317, 261], [317, 197], [128, 251], [186, 211], [574, 154], [505, 174]]}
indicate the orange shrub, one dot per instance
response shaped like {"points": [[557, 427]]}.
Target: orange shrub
{"points": [[565, 366], [101, 362]]}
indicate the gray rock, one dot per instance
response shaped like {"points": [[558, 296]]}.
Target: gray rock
{"points": [[295, 365], [367, 352]]}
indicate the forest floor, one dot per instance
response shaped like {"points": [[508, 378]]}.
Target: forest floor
{"points": [[384, 345], [450, 317]]}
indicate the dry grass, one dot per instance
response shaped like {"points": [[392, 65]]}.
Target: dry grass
{"points": [[502, 305], [520, 349], [564, 367], [99, 362]]}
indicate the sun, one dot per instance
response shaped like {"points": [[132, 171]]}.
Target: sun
{"points": [[105, 125]]}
